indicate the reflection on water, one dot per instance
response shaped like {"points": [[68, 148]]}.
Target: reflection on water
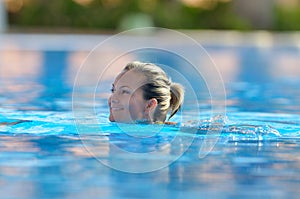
{"points": [[45, 157], [253, 76], [60, 167]]}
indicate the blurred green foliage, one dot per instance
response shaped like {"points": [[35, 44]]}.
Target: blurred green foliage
{"points": [[287, 18], [121, 14]]}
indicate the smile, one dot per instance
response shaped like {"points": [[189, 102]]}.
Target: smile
{"points": [[116, 108]]}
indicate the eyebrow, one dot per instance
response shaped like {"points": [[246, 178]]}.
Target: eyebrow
{"points": [[125, 87], [113, 85]]}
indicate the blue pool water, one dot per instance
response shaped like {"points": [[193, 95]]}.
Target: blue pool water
{"points": [[48, 151]]}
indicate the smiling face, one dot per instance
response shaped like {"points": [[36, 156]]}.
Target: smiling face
{"points": [[126, 102]]}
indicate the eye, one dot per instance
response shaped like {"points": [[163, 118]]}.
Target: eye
{"points": [[113, 89], [124, 91]]}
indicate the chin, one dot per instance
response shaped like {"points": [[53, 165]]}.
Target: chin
{"points": [[111, 118]]}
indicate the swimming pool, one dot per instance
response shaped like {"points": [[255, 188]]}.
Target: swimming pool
{"points": [[48, 156]]}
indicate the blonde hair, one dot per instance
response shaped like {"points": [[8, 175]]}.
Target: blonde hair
{"points": [[168, 94]]}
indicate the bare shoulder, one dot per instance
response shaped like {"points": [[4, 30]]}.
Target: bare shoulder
{"points": [[170, 123]]}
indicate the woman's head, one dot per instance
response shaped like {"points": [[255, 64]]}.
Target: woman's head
{"points": [[143, 92]]}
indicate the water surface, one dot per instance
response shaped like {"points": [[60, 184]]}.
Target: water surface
{"points": [[44, 154]]}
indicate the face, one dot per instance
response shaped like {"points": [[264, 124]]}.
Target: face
{"points": [[126, 102]]}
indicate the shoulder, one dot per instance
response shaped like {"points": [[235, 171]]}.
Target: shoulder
{"points": [[171, 123]]}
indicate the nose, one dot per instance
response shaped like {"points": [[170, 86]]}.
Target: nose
{"points": [[111, 117], [113, 99], [109, 100]]}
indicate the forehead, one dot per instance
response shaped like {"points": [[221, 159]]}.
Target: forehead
{"points": [[130, 78]]}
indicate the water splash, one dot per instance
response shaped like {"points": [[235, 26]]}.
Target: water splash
{"points": [[243, 127], [231, 129]]}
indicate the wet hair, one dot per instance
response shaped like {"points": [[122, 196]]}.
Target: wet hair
{"points": [[169, 95]]}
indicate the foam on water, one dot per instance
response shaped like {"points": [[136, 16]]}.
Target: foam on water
{"points": [[235, 127]]}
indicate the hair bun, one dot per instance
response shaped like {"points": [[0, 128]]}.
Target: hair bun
{"points": [[177, 97]]}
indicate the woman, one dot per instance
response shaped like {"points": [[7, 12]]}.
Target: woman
{"points": [[142, 92]]}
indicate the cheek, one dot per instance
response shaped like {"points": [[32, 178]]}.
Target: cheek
{"points": [[136, 108]]}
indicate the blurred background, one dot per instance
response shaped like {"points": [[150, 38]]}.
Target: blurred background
{"points": [[255, 45], [112, 15]]}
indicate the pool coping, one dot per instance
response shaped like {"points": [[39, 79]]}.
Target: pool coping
{"points": [[59, 41]]}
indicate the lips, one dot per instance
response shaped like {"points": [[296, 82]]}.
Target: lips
{"points": [[116, 108]]}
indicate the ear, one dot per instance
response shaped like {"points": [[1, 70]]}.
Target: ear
{"points": [[149, 109], [151, 104]]}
